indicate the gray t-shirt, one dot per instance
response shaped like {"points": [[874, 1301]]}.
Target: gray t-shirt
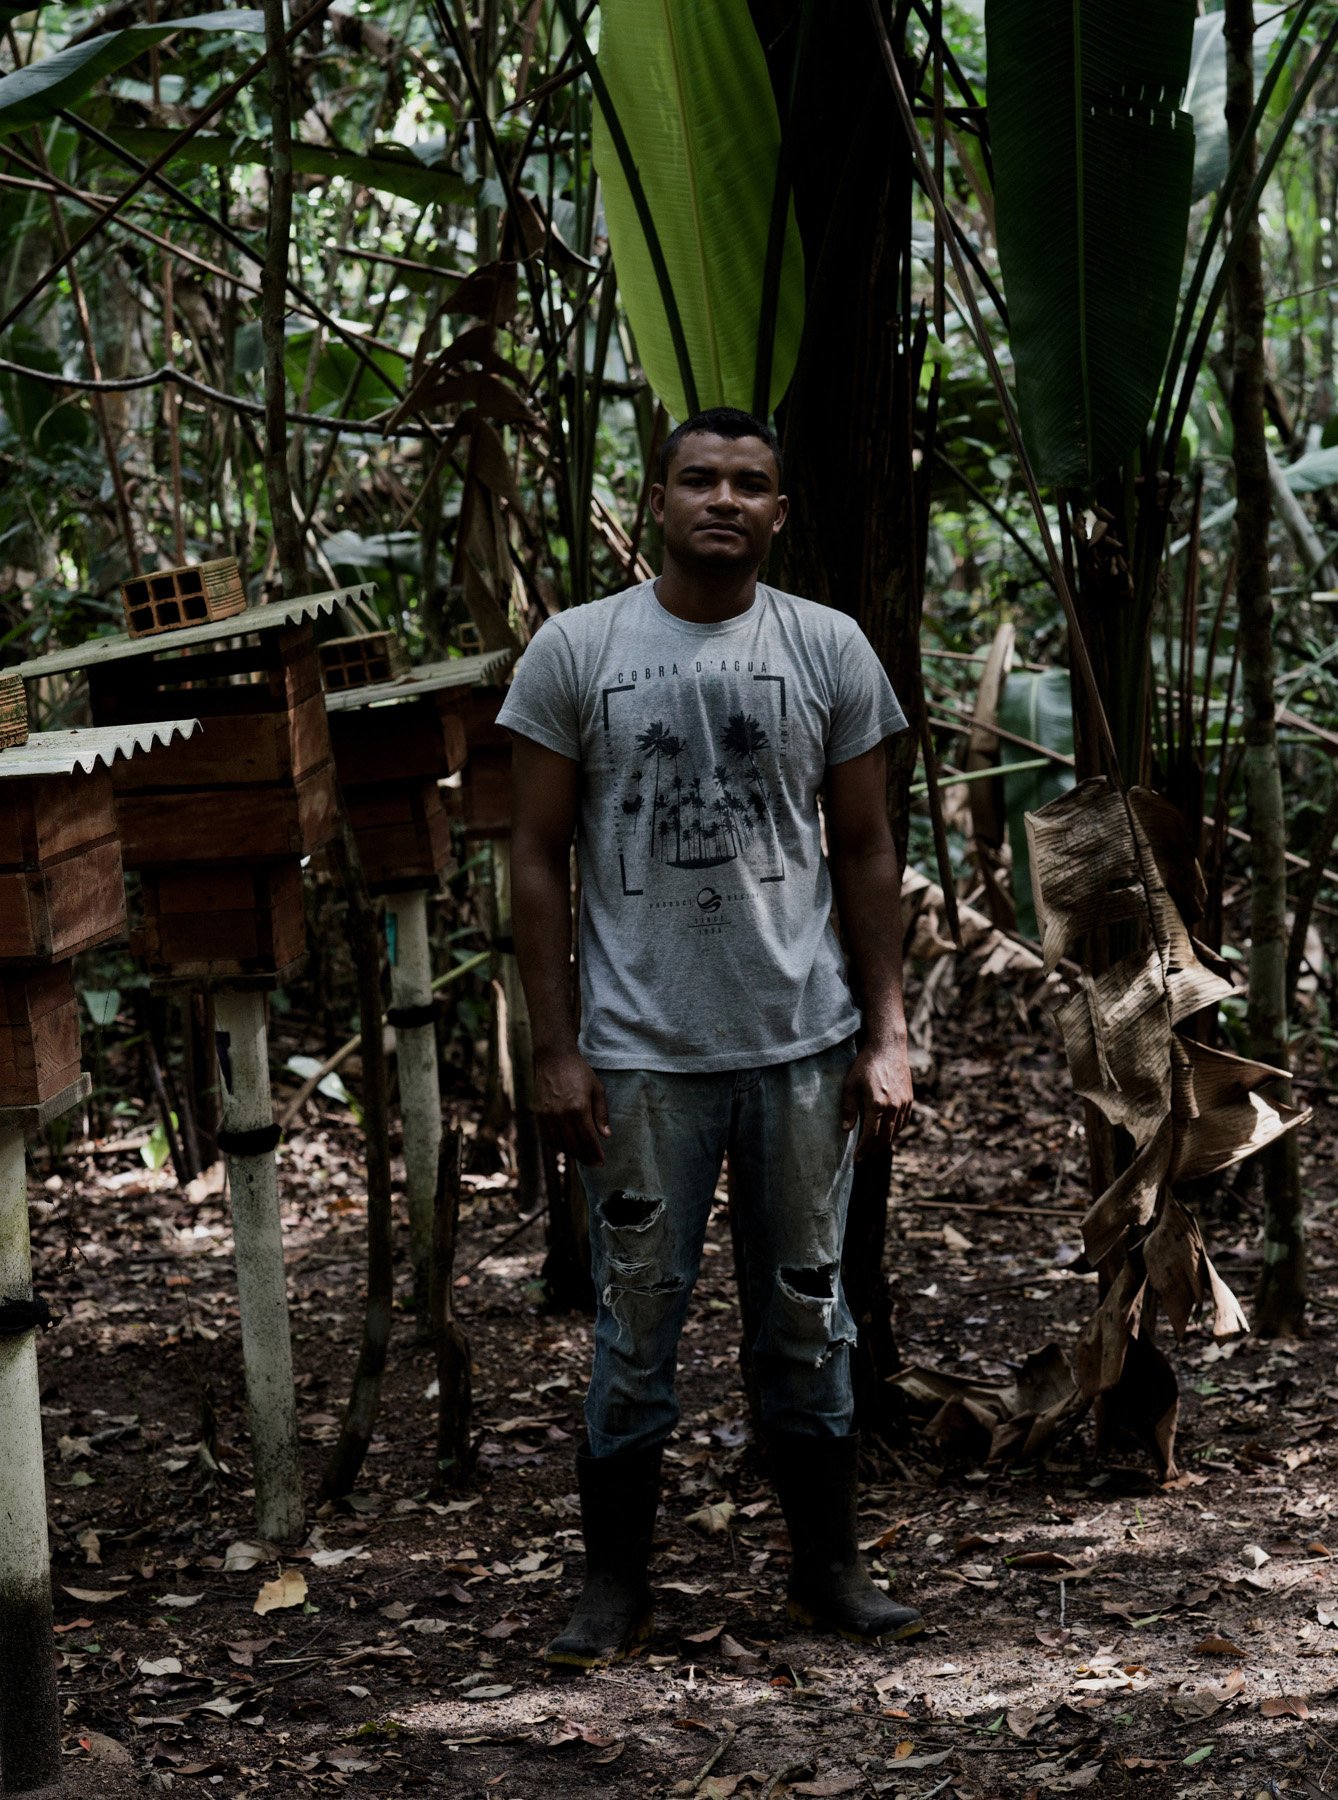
{"points": [[705, 933]]}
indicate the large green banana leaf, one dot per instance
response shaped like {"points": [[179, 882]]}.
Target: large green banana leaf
{"points": [[689, 85], [1093, 165], [32, 95]]}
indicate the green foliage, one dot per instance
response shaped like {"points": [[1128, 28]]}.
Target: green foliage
{"points": [[388, 168], [690, 88], [33, 95], [1093, 164]]}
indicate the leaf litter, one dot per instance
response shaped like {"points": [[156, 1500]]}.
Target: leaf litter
{"points": [[1076, 1605]]}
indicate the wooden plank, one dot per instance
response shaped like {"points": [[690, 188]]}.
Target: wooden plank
{"points": [[44, 820], [400, 854], [23, 924], [216, 887], [486, 792], [225, 752], [392, 743], [478, 708], [222, 825], [28, 994], [317, 814], [85, 899], [308, 736], [40, 1057], [263, 934]]}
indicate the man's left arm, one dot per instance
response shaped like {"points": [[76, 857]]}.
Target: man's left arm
{"points": [[863, 861]]}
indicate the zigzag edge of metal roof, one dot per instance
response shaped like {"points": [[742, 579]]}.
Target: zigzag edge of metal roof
{"points": [[86, 748], [121, 646], [427, 678]]}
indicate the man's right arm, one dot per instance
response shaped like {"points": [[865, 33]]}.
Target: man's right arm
{"points": [[545, 795]]}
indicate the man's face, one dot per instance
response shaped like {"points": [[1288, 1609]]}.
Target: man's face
{"points": [[722, 503]]}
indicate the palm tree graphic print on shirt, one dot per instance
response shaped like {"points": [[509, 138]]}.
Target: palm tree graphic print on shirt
{"points": [[698, 796]]}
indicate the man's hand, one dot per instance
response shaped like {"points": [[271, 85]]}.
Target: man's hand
{"points": [[570, 1105], [878, 1093]]}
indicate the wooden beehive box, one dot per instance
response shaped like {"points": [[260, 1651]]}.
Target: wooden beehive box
{"points": [[390, 759], [61, 888], [403, 832], [353, 662], [482, 802], [170, 598], [39, 1035], [255, 784], [219, 924]]}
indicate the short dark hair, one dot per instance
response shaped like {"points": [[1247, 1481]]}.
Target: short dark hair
{"points": [[723, 422]]}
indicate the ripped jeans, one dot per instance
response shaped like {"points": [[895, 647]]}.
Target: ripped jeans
{"points": [[791, 1169]]}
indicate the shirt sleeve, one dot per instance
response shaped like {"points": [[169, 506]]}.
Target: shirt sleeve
{"points": [[542, 702], [866, 710]]}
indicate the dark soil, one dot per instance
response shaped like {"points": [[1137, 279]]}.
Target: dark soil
{"points": [[1156, 1640]]}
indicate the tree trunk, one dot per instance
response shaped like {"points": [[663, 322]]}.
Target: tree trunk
{"points": [[856, 534], [273, 294], [1281, 1300]]}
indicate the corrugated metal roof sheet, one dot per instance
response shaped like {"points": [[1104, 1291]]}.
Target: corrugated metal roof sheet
{"points": [[87, 748], [242, 624], [427, 678]]}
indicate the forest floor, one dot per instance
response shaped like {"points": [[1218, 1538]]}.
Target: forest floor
{"points": [[1090, 1630]]}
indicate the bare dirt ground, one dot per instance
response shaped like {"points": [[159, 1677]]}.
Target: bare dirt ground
{"points": [[1090, 1630]]}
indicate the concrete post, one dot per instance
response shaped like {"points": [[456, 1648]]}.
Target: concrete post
{"points": [[243, 1054], [420, 1080], [29, 1707]]}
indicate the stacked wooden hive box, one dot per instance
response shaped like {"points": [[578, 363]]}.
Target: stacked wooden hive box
{"points": [[218, 832], [390, 760], [61, 892]]}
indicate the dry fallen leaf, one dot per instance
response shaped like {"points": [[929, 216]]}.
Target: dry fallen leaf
{"points": [[95, 1596], [241, 1556], [714, 1516], [162, 1665], [1219, 1646], [1202, 1702], [287, 1589], [1255, 1556], [1284, 1706], [1040, 1559], [104, 1749], [91, 1545]]}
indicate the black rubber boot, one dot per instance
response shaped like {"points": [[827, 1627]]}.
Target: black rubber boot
{"points": [[619, 1499], [817, 1480]]}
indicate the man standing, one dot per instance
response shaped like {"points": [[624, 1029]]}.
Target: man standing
{"points": [[682, 731]]}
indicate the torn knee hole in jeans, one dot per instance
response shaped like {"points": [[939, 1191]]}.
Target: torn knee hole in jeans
{"points": [[809, 1284], [631, 1212]]}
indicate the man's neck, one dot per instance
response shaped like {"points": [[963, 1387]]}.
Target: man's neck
{"points": [[702, 597]]}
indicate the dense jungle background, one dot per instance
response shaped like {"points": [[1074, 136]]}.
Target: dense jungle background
{"points": [[404, 299]]}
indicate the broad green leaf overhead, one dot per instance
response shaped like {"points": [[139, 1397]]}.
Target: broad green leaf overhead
{"points": [[1093, 163], [690, 87], [34, 94], [1205, 94]]}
